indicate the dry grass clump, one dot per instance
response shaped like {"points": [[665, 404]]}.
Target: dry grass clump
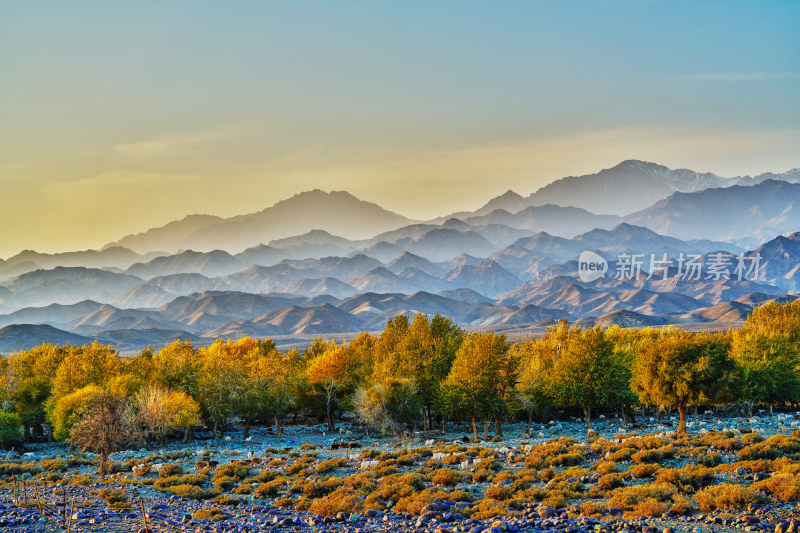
{"points": [[567, 459], [446, 477], [644, 470], [726, 496], [270, 489], [214, 513], [629, 498], [191, 491], [621, 455], [188, 479], [246, 488], [610, 482], [772, 448], [688, 479], [316, 489], [488, 508], [17, 469], [607, 467], [330, 465], [170, 469], [785, 465], [54, 465], [115, 498], [649, 455], [759, 465], [785, 487]]}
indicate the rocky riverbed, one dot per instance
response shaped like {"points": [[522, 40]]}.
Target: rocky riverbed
{"points": [[732, 474]]}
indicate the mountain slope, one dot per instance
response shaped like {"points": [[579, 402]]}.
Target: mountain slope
{"points": [[336, 212], [744, 215]]}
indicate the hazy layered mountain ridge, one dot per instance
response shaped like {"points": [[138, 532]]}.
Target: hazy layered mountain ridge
{"points": [[349, 265]]}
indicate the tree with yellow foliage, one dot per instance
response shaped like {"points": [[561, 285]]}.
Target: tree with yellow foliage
{"points": [[767, 350], [331, 376], [478, 378], [680, 369]]}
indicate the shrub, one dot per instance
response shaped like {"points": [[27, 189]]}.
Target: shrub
{"points": [[191, 491], [710, 460], [653, 456], [650, 507], [772, 448], [623, 454], [446, 477], [610, 481], [17, 469], [188, 479], [644, 470], [238, 472], [54, 465], [247, 488], [488, 508], [607, 467], [343, 499], [222, 499], [726, 496], [627, 498], [688, 479], [225, 482], [567, 459], [785, 487], [270, 488], [170, 469], [115, 498], [330, 465], [215, 513]]}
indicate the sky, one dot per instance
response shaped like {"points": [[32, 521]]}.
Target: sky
{"points": [[118, 116]]}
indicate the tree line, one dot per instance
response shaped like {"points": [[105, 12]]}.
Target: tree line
{"points": [[418, 373]]}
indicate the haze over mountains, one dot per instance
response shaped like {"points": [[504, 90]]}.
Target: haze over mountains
{"points": [[329, 263]]}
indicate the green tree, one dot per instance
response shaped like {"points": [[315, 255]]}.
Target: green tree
{"points": [[10, 428], [585, 372], [681, 369], [474, 387], [769, 363], [29, 383], [222, 381]]}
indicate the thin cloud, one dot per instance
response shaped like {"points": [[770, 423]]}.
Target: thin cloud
{"points": [[743, 76], [173, 143]]}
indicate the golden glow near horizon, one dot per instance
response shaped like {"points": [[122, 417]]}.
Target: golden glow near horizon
{"points": [[116, 119]]}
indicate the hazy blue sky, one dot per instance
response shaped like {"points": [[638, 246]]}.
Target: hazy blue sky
{"points": [[119, 116]]}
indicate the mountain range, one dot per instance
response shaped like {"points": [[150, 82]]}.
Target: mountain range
{"points": [[329, 264]]}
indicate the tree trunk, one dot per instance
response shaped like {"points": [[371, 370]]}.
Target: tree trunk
{"points": [[103, 460], [474, 429], [749, 409], [278, 427], [498, 426], [682, 417], [530, 421], [485, 428], [186, 434], [694, 412], [329, 416], [444, 424], [246, 426], [214, 429], [770, 410], [587, 415]]}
